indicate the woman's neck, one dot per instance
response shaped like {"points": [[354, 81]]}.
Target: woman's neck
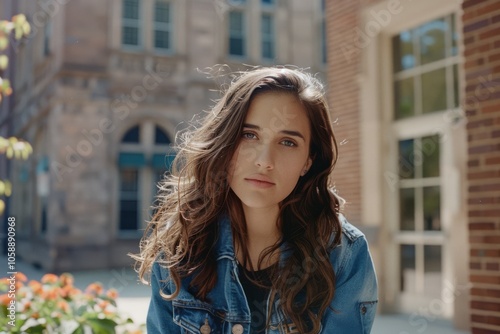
{"points": [[262, 232]]}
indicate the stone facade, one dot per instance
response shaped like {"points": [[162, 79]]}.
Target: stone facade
{"points": [[79, 91]]}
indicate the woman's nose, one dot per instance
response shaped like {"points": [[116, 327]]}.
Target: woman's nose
{"points": [[264, 157]]}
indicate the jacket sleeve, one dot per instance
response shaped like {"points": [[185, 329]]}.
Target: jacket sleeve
{"points": [[160, 312], [354, 304]]}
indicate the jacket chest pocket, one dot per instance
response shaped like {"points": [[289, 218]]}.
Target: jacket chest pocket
{"points": [[200, 318]]}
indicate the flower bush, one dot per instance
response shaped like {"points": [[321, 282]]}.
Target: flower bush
{"points": [[54, 305]]}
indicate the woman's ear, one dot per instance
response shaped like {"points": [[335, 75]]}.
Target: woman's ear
{"points": [[307, 166]]}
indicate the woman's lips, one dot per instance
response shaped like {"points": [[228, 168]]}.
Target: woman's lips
{"points": [[260, 183]]}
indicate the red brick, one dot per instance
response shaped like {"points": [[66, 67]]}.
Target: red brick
{"points": [[476, 25], [488, 9], [485, 252], [490, 109], [491, 33], [476, 330], [492, 161], [492, 266], [483, 175], [484, 213], [475, 265], [486, 279], [484, 148], [486, 306], [486, 319], [481, 226], [482, 292], [470, 3], [479, 123]]}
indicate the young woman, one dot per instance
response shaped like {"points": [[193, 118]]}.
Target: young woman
{"points": [[248, 237]]}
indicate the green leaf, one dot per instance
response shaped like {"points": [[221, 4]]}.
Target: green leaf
{"points": [[35, 329], [4, 62], [79, 330], [102, 326]]}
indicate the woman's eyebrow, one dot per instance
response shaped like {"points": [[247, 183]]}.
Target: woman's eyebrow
{"points": [[287, 132]]}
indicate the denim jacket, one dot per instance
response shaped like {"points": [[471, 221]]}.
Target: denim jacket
{"points": [[351, 311]]}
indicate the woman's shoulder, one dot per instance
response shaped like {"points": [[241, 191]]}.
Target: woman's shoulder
{"points": [[350, 233]]}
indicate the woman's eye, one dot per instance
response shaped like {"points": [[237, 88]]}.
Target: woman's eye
{"points": [[248, 135], [288, 143]]}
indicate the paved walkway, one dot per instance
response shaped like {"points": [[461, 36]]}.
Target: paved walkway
{"points": [[134, 299]]}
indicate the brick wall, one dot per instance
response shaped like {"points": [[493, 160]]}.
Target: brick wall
{"points": [[481, 37], [343, 95]]}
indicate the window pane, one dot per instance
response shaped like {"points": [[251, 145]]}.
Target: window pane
{"points": [[432, 270], [434, 91], [236, 46], [267, 2], [129, 182], [407, 209], [131, 9], [432, 214], [430, 154], [408, 272], [402, 46], [432, 41], [161, 137], [456, 91], [162, 12], [132, 135], [454, 37], [129, 217], [129, 203], [162, 39], [404, 99], [236, 22], [267, 24], [130, 36], [406, 159]]}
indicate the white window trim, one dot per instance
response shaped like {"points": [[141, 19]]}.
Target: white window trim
{"points": [[378, 152]]}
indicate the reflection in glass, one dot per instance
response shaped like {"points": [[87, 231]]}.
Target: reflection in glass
{"points": [[434, 91], [432, 41], [407, 268], [432, 208], [454, 37], [402, 46], [406, 159], [404, 98], [432, 270], [430, 154], [407, 209]]}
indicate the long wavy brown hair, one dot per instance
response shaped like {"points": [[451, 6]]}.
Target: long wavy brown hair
{"points": [[182, 233]]}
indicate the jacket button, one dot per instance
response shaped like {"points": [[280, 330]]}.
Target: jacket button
{"points": [[237, 329], [205, 329], [363, 310]]}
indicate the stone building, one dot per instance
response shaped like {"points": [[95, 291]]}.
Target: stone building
{"points": [[415, 89], [101, 88]]}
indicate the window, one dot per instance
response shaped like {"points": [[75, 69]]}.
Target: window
{"points": [[162, 25], [131, 23], [236, 34], [267, 35], [425, 86], [144, 157], [323, 34], [425, 69], [47, 37]]}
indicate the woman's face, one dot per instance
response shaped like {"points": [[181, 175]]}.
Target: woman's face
{"points": [[273, 151]]}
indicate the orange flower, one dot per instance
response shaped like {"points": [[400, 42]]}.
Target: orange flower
{"points": [[4, 299], [35, 286], [35, 315], [49, 278], [63, 305], [103, 304], [112, 293], [95, 288], [21, 277], [66, 279], [74, 292], [26, 306]]}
